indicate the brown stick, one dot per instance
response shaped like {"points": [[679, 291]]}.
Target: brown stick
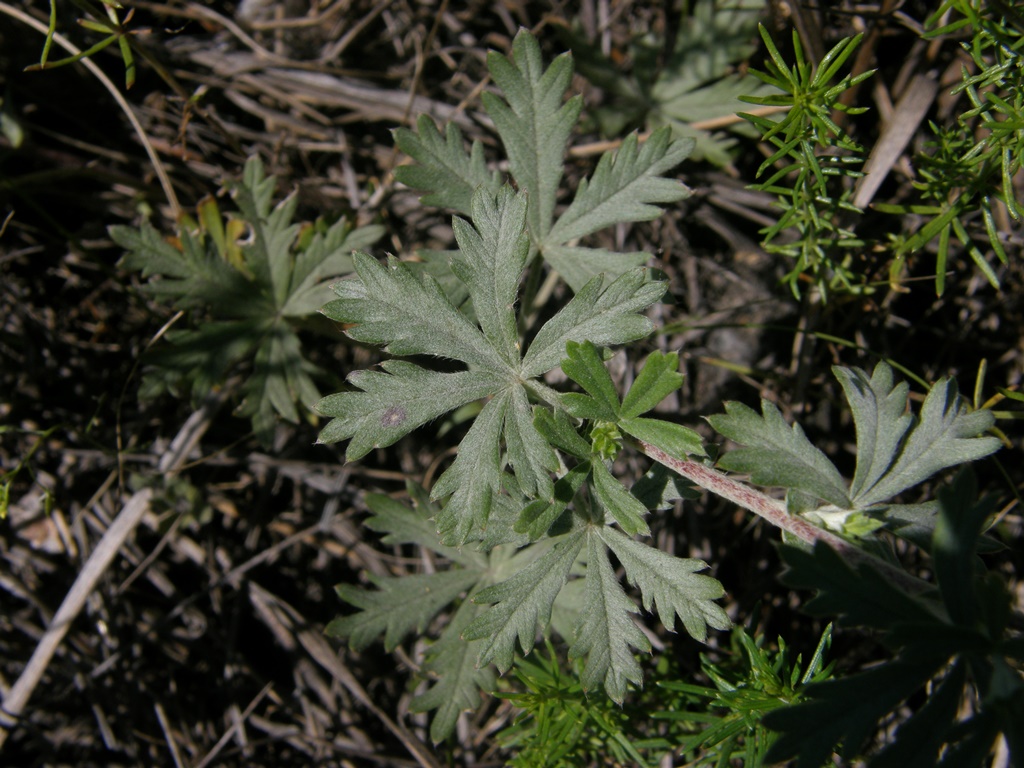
{"points": [[128, 518]]}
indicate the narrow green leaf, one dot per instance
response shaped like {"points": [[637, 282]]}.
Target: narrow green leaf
{"points": [[538, 516], [658, 379], [603, 316], [671, 584], [558, 429], [618, 502], [606, 633], [392, 404], [777, 454], [960, 522], [522, 602]]}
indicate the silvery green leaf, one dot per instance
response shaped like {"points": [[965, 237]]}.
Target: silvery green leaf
{"points": [[776, 454], [457, 680], [492, 255], [528, 452], [625, 187], [579, 265], [522, 603], [881, 418], [602, 315], [389, 405], [671, 584], [399, 606], [945, 433], [411, 315], [606, 633], [443, 168], [402, 524], [534, 124], [474, 479]]}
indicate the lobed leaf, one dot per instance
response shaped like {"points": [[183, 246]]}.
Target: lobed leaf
{"points": [[618, 502], [671, 584], [493, 254], [474, 479], [583, 364], [458, 681], [624, 187], [880, 416], [401, 524], [776, 454], [389, 405], [658, 379], [602, 315], [606, 632], [410, 315], [521, 602], [400, 606], [945, 434], [445, 171], [534, 124]]}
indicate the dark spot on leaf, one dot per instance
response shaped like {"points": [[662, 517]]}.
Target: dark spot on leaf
{"points": [[393, 416]]}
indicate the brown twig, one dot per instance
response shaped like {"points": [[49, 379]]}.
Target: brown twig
{"points": [[131, 514]]}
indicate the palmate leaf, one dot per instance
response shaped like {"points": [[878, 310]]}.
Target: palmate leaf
{"points": [[776, 454], [247, 292], [602, 315], [895, 450], [946, 433], [393, 306], [490, 262]]}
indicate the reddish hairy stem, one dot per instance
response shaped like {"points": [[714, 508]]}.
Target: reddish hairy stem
{"points": [[774, 511]]}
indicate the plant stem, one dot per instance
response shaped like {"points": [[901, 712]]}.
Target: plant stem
{"points": [[775, 512]]}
